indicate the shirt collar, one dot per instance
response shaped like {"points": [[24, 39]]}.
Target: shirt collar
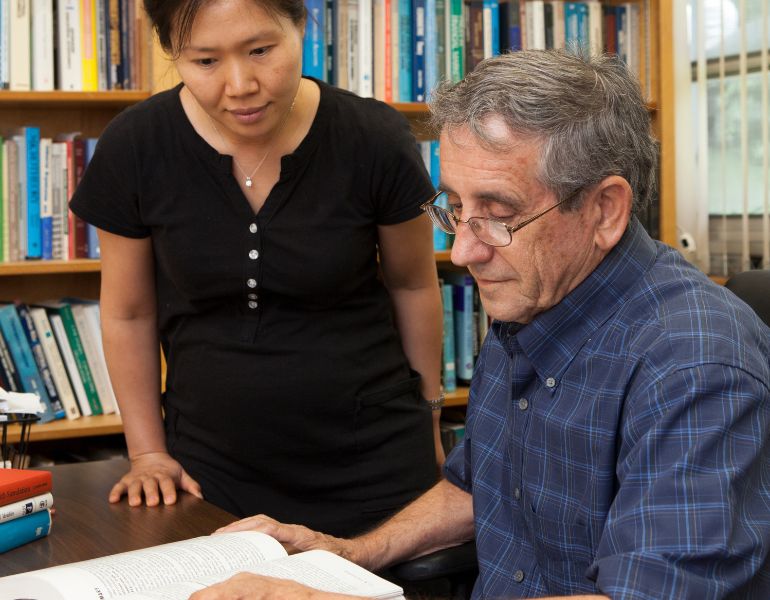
{"points": [[554, 337]]}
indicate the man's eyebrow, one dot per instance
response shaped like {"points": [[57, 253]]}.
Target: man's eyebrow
{"points": [[510, 201]]}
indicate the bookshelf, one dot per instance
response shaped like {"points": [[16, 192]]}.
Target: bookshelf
{"points": [[90, 112]]}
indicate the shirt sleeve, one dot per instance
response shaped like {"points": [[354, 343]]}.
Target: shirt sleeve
{"points": [[107, 197], [402, 183], [691, 518]]}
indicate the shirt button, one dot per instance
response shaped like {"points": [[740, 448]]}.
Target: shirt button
{"points": [[516, 493], [252, 304], [253, 228], [550, 382], [252, 296], [518, 576], [523, 404], [253, 255], [252, 283]]}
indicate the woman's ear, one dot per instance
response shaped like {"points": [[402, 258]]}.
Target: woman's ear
{"points": [[613, 198]]}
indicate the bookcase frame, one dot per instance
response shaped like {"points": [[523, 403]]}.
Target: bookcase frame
{"points": [[90, 112]]}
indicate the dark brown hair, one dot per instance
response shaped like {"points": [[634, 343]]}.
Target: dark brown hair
{"points": [[177, 17]]}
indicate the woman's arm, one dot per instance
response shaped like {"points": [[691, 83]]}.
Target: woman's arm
{"points": [[132, 352], [409, 270]]}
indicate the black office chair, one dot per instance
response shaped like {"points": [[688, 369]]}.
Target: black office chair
{"points": [[753, 287], [457, 567]]}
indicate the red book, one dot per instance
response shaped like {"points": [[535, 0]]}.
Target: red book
{"points": [[18, 484]]}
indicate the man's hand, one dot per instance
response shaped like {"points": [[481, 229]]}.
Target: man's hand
{"points": [[152, 476], [246, 586], [298, 538]]}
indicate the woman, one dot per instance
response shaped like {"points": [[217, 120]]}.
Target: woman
{"points": [[241, 218]]}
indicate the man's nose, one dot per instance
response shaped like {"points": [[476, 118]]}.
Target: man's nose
{"points": [[467, 249]]}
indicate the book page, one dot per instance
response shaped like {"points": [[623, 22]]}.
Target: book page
{"points": [[316, 568], [120, 574]]}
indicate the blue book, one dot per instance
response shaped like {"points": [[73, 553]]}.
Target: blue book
{"points": [[576, 24], [331, 19], [34, 232], [418, 45], [491, 10], [405, 51], [19, 531], [94, 250], [431, 46], [462, 300], [28, 325], [23, 359], [440, 239], [621, 32], [449, 368], [314, 43]]}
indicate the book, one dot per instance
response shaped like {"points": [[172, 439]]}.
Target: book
{"points": [[313, 45], [17, 532], [55, 362], [20, 484], [8, 374], [60, 335], [5, 36], [46, 199], [20, 508], [24, 360], [19, 46], [174, 571], [88, 45], [34, 236], [69, 63], [42, 45], [40, 360]]}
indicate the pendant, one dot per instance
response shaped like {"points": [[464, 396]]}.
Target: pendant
{"points": [[248, 182]]}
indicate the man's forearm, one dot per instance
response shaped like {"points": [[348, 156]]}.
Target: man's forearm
{"points": [[440, 518]]}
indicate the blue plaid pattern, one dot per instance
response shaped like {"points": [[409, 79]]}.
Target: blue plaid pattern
{"points": [[620, 443]]}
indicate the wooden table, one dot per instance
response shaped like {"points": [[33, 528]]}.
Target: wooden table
{"points": [[87, 526]]}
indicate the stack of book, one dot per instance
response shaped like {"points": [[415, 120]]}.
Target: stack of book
{"points": [[25, 506]]}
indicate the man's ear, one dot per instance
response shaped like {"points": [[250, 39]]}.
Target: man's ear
{"points": [[612, 198]]}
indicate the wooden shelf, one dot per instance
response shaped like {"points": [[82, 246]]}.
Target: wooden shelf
{"points": [[115, 98], [70, 428], [457, 398], [49, 267]]}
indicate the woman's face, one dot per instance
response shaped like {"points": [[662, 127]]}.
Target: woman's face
{"points": [[243, 66]]}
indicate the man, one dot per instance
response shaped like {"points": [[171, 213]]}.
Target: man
{"points": [[617, 434]]}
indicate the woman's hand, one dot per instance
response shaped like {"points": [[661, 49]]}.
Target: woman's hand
{"points": [[246, 586], [154, 475]]}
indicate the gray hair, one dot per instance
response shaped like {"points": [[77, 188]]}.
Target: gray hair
{"points": [[587, 113]]}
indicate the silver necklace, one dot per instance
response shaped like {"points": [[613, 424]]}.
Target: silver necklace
{"points": [[249, 178]]}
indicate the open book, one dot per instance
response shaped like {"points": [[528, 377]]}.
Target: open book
{"points": [[174, 571]]}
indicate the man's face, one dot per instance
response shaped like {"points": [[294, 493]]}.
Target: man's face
{"points": [[547, 258]]}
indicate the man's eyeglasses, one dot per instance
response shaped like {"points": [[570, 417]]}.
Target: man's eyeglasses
{"points": [[490, 231]]}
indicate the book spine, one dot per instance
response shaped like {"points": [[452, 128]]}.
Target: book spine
{"points": [[102, 45], [341, 52], [378, 48], [513, 18], [10, 374], [88, 45], [16, 510], [125, 43], [405, 52], [42, 45], [70, 65], [20, 484], [491, 12], [23, 530], [313, 45], [3, 200], [418, 45], [450, 374], [456, 40], [34, 246], [329, 20], [70, 364], [5, 44], [76, 344], [23, 359], [19, 51], [21, 166], [365, 58], [42, 364], [55, 362], [46, 200]]}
